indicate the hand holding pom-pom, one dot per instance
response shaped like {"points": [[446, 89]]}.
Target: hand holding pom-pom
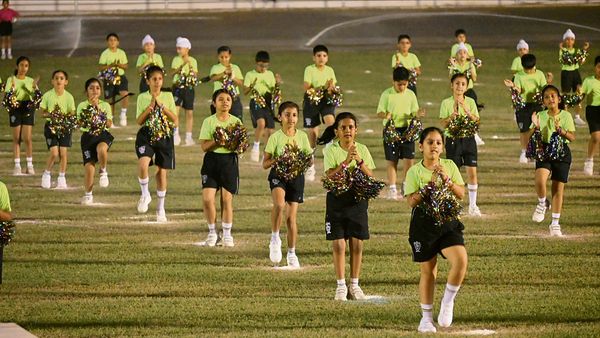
{"points": [[7, 232]]}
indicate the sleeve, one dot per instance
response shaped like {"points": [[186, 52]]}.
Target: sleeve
{"points": [[44, 104], [174, 63], [238, 72], [170, 103], [194, 65], [473, 107], [412, 181], [141, 105], [416, 61], [80, 108], [71, 104], [123, 57], [517, 81], [159, 61], [515, 64], [567, 123], [542, 79], [455, 174], [213, 70], [305, 143], [307, 75], [394, 61], [328, 158], [368, 158], [8, 84], [270, 147], [470, 50], [248, 79], [106, 108], [333, 77], [414, 106], [444, 111], [4, 198], [205, 131], [585, 87], [473, 69], [140, 61], [383, 102], [103, 60]]}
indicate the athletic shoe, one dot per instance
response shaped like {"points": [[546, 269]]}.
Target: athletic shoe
{"points": [[555, 230], [87, 199], [189, 141], [3, 57], [61, 182], [310, 173], [228, 241], [445, 315], [275, 250], [426, 326], [588, 167], [474, 211], [46, 180], [211, 240], [142, 206], [17, 171], [10, 56], [341, 293], [523, 158], [392, 194], [292, 261], [255, 155], [540, 212], [123, 120], [479, 140], [356, 293], [578, 121], [103, 179], [161, 216], [30, 170], [176, 139]]}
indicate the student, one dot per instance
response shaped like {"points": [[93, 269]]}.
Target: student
{"points": [[57, 145], [554, 119], [428, 239], [5, 210], [591, 88], [94, 143], [22, 119], [261, 81], [318, 76], [146, 59], [461, 37], [398, 103], [7, 17], [224, 69], [570, 79], [345, 218], [111, 57], [285, 192], [403, 58], [463, 151], [149, 150], [184, 64], [220, 169], [522, 49], [528, 83]]}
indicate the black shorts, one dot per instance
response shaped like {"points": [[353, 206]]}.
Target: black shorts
{"points": [[592, 115], [22, 115], [257, 113], [294, 189], [237, 109], [463, 151], [89, 144], [346, 218], [161, 153], [184, 97], [559, 169], [524, 116], [471, 93], [54, 141], [314, 114], [427, 239], [111, 91], [143, 85], [569, 80], [221, 171], [6, 28], [399, 150]]}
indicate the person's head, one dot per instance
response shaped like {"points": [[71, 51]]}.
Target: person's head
{"points": [[60, 79], [597, 67], [262, 61], [528, 61], [460, 35], [404, 43], [320, 55], [344, 128], [288, 113], [522, 47], [155, 77], [112, 40], [5, 3], [23, 64], [224, 55], [93, 88], [183, 46], [462, 53], [400, 77], [431, 143], [148, 44], [569, 39], [221, 101], [459, 84], [551, 97]]}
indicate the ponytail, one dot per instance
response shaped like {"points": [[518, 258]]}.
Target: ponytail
{"points": [[329, 132]]}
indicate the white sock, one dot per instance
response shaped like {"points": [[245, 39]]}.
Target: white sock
{"points": [[17, 163], [88, 193], [341, 282], [46, 172], [212, 229], [542, 201], [427, 312], [9, 51], [123, 111], [577, 116], [256, 145], [274, 235], [102, 170], [61, 174], [354, 281], [555, 218], [161, 199], [144, 186], [29, 161], [472, 194], [188, 135], [523, 151], [227, 229], [291, 251], [450, 293], [393, 187], [590, 159], [3, 51], [176, 130]]}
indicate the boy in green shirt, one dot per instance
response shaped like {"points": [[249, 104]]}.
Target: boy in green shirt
{"points": [[570, 79], [227, 71], [114, 57], [591, 88], [522, 49], [184, 65], [461, 37], [5, 210], [402, 58], [147, 59]]}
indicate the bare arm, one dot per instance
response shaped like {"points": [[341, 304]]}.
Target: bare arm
{"points": [[5, 215]]}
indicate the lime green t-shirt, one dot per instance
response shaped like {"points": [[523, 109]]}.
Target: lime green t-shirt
{"points": [[155, 59], [410, 61], [318, 78], [591, 88], [265, 82], [178, 61], [165, 98], [568, 67], [418, 176], [108, 57], [279, 140], [403, 106], [102, 105], [219, 68], [4, 198], [454, 50], [530, 84], [447, 108], [334, 154], [210, 124], [65, 101], [463, 68], [516, 66], [23, 88], [547, 126]]}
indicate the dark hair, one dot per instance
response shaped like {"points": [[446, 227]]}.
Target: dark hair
{"points": [[223, 49], [320, 48], [528, 61], [329, 132], [287, 104], [457, 75], [5, 1], [561, 104], [153, 69], [403, 36], [112, 34], [213, 109], [597, 60], [262, 56], [21, 59], [60, 71], [401, 74], [428, 131], [459, 32], [90, 81]]}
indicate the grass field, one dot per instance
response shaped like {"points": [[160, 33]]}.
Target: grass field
{"points": [[107, 271]]}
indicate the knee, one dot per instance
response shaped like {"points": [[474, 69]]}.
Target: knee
{"points": [[279, 207]]}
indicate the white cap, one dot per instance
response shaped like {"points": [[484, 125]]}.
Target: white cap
{"points": [[569, 34], [462, 46], [183, 43], [522, 45], [147, 39]]}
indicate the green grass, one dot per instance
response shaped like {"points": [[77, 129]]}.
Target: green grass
{"points": [[107, 271]]}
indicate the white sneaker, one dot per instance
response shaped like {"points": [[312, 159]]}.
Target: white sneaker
{"points": [[46, 180], [275, 250], [211, 240], [426, 326], [555, 230], [255, 154], [17, 171], [540, 212], [445, 315], [87, 199], [356, 293], [292, 261], [392, 194], [161, 216], [479, 140], [228, 241], [588, 167], [310, 173], [176, 139], [10, 56], [341, 293], [523, 158], [474, 211], [189, 141], [30, 170], [123, 120], [103, 179], [61, 182], [3, 57], [142, 206], [579, 121]]}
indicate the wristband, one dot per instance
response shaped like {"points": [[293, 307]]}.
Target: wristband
{"points": [[344, 166], [359, 164]]}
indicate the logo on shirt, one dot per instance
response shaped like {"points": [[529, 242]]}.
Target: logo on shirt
{"points": [[275, 181], [87, 154], [417, 246], [204, 179], [142, 149], [328, 228], [308, 121], [13, 119], [49, 141]]}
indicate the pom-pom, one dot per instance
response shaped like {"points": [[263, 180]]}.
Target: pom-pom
{"points": [[517, 101], [462, 126], [576, 58], [455, 70], [7, 232], [391, 135], [477, 62], [61, 124], [315, 95], [187, 80], [36, 99], [555, 150], [541, 151], [410, 134], [292, 162], [412, 78], [259, 100], [537, 97], [439, 202], [93, 119], [234, 137], [335, 98], [110, 75], [337, 183], [362, 186], [276, 97], [159, 124], [10, 100], [572, 100], [535, 146], [230, 87]]}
